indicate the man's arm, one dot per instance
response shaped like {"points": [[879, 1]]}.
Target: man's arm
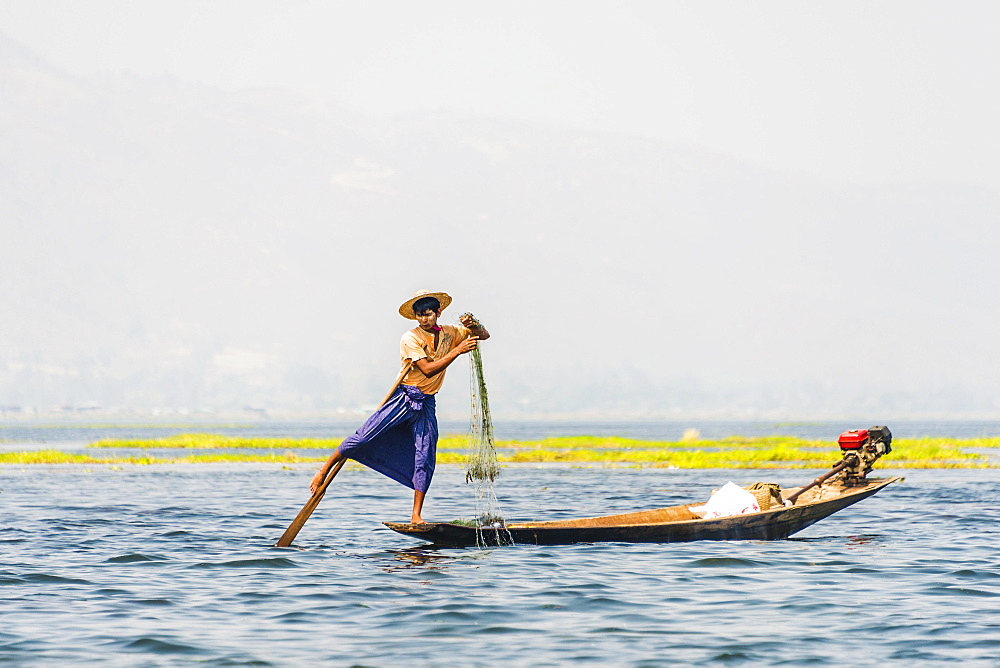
{"points": [[429, 368], [479, 333]]}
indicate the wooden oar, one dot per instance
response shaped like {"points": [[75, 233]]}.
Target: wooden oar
{"points": [[820, 480], [293, 529]]}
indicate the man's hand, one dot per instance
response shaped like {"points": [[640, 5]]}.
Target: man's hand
{"points": [[466, 345], [317, 480], [469, 322]]}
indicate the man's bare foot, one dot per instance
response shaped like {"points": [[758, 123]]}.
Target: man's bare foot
{"points": [[418, 505]]}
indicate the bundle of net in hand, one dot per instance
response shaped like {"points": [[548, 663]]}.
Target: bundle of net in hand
{"points": [[482, 466]]}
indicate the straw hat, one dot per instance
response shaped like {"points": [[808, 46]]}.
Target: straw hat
{"points": [[406, 310]]}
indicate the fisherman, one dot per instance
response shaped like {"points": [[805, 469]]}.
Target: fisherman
{"points": [[399, 440]]}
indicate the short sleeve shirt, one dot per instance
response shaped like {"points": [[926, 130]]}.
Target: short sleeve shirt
{"points": [[417, 344]]}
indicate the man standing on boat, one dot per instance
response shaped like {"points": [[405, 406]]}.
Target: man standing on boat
{"points": [[399, 440]]}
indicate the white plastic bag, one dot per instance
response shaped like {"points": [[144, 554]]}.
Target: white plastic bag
{"points": [[730, 500]]}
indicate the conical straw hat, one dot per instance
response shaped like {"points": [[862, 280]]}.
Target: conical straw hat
{"points": [[406, 310]]}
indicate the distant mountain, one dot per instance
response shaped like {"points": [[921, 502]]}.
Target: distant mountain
{"points": [[167, 244]]}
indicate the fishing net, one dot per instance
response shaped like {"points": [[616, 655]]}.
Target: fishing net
{"points": [[482, 466]]}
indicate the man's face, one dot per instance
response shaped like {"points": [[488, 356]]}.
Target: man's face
{"points": [[428, 319]]}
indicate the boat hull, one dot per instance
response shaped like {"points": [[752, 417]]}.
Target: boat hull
{"points": [[773, 524]]}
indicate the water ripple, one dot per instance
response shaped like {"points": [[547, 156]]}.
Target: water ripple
{"points": [[166, 567], [272, 562], [133, 558], [157, 646]]}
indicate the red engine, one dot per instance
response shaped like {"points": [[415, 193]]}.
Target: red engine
{"points": [[854, 439], [861, 447]]}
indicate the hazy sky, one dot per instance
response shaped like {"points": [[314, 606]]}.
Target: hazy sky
{"points": [[867, 91], [747, 274]]}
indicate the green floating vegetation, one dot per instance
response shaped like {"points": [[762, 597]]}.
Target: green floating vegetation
{"points": [[742, 452], [57, 457], [139, 425], [734, 452], [217, 441], [47, 457], [619, 443]]}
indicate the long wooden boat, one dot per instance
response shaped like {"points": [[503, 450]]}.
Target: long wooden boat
{"points": [[673, 524]]}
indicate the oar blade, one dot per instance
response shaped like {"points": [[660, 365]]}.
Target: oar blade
{"points": [[293, 529]]}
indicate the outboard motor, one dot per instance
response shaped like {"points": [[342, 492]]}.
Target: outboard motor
{"points": [[861, 447]]}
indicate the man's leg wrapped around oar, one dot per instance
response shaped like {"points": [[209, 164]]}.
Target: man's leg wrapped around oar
{"points": [[399, 440]]}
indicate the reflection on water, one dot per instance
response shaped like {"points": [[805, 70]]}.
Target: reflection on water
{"points": [[854, 542], [176, 565], [418, 557]]}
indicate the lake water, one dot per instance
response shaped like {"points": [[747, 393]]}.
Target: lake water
{"points": [[174, 565]]}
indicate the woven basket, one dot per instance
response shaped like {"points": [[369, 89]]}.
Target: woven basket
{"points": [[767, 494], [763, 497]]}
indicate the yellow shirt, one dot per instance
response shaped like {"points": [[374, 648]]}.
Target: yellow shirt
{"points": [[417, 344]]}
